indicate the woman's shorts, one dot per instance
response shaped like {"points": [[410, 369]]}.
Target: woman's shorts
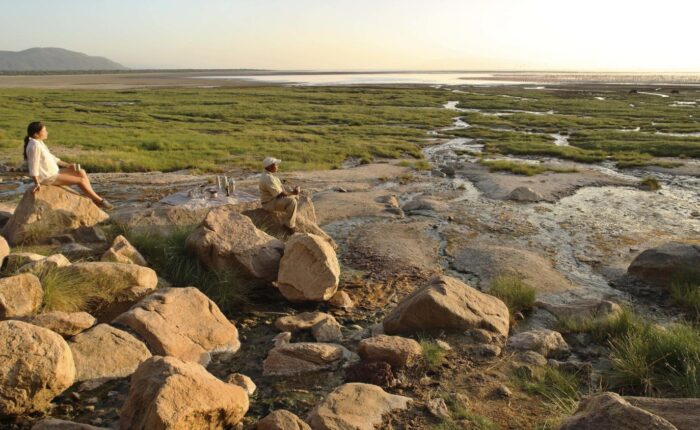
{"points": [[50, 180]]}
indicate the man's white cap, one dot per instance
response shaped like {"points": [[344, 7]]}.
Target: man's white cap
{"points": [[269, 161]]}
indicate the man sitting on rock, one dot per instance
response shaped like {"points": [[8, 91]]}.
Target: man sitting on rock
{"points": [[274, 197]]}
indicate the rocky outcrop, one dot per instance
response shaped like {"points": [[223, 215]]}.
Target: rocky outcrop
{"points": [[122, 251], [306, 222], [584, 310], [40, 267], [355, 406], [183, 323], [309, 269], [20, 295], [448, 304], [50, 212], [666, 264], [66, 324], [229, 241], [35, 366], [610, 411], [282, 420], [682, 413], [548, 343], [424, 204], [524, 194], [397, 351], [104, 352], [168, 393], [304, 357]]}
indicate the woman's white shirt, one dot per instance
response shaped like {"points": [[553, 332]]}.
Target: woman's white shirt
{"points": [[40, 160]]}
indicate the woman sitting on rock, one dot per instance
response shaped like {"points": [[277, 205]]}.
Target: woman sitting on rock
{"points": [[44, 166]]}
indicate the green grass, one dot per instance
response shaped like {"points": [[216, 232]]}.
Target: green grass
{"points": [[72, 292], [520, 168], [433, 356], [559, 390], [460, 412], [514, 293], [168, 256], [648, 359], [419, 165], [650, 183], [686, 295]]}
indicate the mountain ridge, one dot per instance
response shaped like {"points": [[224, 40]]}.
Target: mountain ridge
{"points": [[53, 59]]}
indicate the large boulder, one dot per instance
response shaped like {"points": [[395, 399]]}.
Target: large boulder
{"points": [[182, 322], [4, 250], [355, 406], [66, 324], [168, 393], [395, 350], [448, 304], [282, 420], [273, 222], [20, 295], [229, 241], [50, 212], [105, 352], [548, 343], [304, 357], [309, 269], [666, 264], [36, 365], [682, 413], [122, 251], [123, 284], [609, 411]]}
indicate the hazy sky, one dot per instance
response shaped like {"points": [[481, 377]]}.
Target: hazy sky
{"points": [[632, 35]]}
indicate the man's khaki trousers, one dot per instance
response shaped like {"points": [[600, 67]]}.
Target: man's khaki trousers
{"points": [[288, 205]]}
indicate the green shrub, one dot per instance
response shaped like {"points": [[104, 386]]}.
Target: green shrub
{"points": [[433, 355], [514, 293], [687, 296], [560, 390], [650, 183], [519, 168], [72, 292]]}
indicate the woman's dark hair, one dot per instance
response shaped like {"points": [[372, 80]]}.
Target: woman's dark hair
{"points": [[32, 129]]}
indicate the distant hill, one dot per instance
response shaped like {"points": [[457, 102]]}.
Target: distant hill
{"points": [[53, 59]]}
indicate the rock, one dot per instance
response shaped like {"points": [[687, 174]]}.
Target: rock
{"points": [[304, 357], [373, 372], [4, 250], [610, 411], [548, 343], [122, 251], [503, 391], [282, 420], [242, 381], [682, 413], [50, 212], [309, 269], [443, 345], [182, 322], [422, 203], [35, 366], [328, 330], [229, 241], [438, 408], [390, 200], [127, 283], [532, 358], [524, 194], [168, 393], [448, 304], [20, 295], [40, 267], [282, 338], [355, 406], [397, 351], [19, 259], [583, 310], [306, 222], [341, 300], [663, 265], [89, 234], [4, 218], [66, 324], [104, 352], [54, 424]]}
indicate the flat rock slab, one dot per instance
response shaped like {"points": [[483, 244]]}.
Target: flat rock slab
{"points": [[355, 406], [395, 350], [304, 357], [105, 352], [66, 324], [548, 343], [682, 413], [610, 411], [182, 322]]}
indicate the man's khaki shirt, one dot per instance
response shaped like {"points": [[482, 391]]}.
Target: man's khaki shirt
{"points": [[270, 187]]}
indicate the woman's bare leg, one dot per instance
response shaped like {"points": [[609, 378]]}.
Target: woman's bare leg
{"points": [[71, 177]]}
